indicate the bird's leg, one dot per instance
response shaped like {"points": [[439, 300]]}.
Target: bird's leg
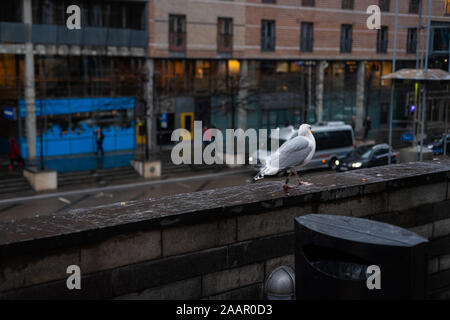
{"points": [[301, 182], [286, 186]]}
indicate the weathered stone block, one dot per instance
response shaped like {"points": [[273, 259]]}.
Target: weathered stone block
{"points": [[188, 289], [231, 279], [441, 228], [42, 180], [448, 189], [141, 276], [369, 205], [27, 271], [440, 295], [439, 280], [357, 206], [93, 287], [433, 265], [260, 250], [274, 222], [121, 250], [444, 262], [412, 197], [425, 230], [190, 238], [147, 169], [272, 264]]}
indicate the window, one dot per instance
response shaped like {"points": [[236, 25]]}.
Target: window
{"points": [[384, 5], [414, 6], [177, 32], [381, 152], [308, 3], [346, 38], [440, 37], [348, 4], [268, 35], [94, 13], [307, 37], [411, 41], [382, 40], [333, 139], [225, 35], [269, 1], [11, 11]]}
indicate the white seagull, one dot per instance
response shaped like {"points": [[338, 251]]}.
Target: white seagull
{"points": [[292, 155]]}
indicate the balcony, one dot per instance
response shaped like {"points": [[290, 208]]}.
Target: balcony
{"points": [[225, 43], [268, 44], [177, 41], [12, 32], [382, 46], [346, 46]]}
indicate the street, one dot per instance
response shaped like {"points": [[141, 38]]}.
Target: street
{"points": [[62, 201]]}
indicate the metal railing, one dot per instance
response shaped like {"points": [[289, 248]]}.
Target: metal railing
{"points": [[13, 32]]}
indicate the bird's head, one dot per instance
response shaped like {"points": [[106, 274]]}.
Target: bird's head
{"points": [[305, 130]]}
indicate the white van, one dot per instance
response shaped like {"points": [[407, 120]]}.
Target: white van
{"points": [[334, 140]]}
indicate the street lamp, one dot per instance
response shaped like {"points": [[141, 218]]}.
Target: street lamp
{"points": [[394, 66], [280, 284]]}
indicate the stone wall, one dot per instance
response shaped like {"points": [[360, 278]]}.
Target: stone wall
{"points": [[215, 244]]}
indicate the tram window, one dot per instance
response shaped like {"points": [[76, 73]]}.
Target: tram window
{"points": [[58, 122]]}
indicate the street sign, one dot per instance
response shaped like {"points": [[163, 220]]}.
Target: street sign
{"points": [[9, 113], [407, 137], [164, 120]]}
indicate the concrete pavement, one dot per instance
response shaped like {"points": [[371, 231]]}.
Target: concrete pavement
{"points": [[58, 202]]}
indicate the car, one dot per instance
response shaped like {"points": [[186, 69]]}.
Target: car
{"points": [[367, 156], [334, 140], [437, 145]]}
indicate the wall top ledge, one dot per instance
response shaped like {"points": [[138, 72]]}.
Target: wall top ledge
{"points": [[82, 226]]}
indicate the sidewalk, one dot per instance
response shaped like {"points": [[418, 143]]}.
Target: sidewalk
{"points": [[89, 171]]}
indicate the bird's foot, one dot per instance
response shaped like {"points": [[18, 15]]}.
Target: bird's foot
{"points": [[304, 183], [286, 187]]}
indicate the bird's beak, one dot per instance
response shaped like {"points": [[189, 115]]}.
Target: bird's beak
{"points": [[312, 131]]}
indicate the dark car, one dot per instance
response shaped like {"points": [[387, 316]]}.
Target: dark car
{"points": [[437, 145], [367, 156]]}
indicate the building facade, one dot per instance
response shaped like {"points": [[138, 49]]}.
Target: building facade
{"points": [[265, 63], [83, 78], [146, 67]]}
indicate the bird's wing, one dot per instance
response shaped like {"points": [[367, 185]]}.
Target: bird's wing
{"points": [[293, 153]]}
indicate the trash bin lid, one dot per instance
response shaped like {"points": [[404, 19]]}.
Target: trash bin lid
{"points": [[360, 230]]}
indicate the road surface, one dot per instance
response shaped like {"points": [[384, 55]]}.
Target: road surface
{"points": [[62, 201]]}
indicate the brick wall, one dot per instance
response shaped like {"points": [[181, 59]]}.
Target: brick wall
{"points": [[215, 244], [326, 15]]}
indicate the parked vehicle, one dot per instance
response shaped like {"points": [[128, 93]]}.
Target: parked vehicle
{"points": [[334, 140], [367, 156], [438, 145]]}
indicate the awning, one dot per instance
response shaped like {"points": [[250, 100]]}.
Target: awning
{"points": [[419, 74]]}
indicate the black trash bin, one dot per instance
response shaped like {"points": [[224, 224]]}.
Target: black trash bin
{"points": [[333, 253]]}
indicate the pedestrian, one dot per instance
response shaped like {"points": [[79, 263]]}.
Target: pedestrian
{"points": [[367, 127], [14, 154], [99, 138]]}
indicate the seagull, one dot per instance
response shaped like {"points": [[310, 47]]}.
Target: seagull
{"points": [[292, 155]]}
